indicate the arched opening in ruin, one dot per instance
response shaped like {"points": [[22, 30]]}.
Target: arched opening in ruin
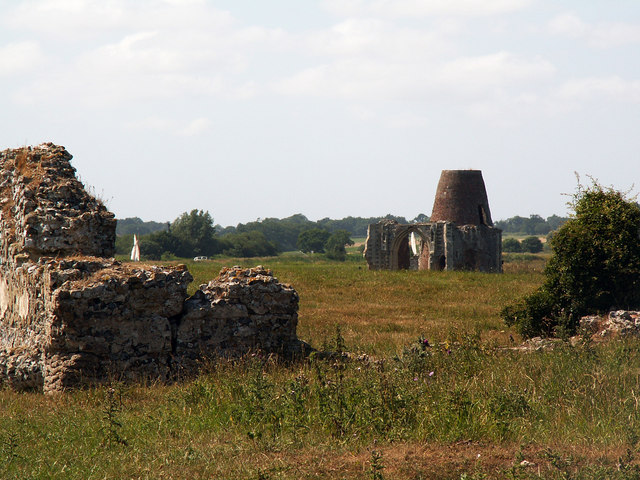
{"points": [[442, 263], [404, 256], [411, 251]]}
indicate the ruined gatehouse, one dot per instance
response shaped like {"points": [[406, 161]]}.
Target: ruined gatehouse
{"points": [[459, 236], [71, 315]]}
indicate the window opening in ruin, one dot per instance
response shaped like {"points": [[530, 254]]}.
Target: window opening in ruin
{"points": [[482, 214]]}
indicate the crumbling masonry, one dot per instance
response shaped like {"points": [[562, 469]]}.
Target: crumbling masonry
{"points": [[459, 236], [71, 315]]}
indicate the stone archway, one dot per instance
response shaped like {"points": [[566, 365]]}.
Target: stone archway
{"points": [[402, 256]]}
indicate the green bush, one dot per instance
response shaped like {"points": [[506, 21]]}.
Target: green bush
{"points": [[594, 267], [511, 245], [531, 245]]}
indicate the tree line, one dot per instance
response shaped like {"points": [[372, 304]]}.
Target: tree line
{"points": [[534, 225], [194, 234]]}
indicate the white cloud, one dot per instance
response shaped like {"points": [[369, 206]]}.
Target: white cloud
{"points": [[197, 126], [378, 38], [149, 49], [192, 128], [476, 74], [420, 8], [151, 123], [81, 19], [17, 58], [601, 35], [568, 24], [594, 88], [379, 81]]}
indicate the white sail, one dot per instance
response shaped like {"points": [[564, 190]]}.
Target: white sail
{"points": [[135, 251], [414, 246]]}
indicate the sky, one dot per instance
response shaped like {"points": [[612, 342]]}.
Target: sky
{"points": [[251, 109]]}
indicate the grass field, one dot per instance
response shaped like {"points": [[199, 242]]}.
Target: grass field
{"points": [[431, 389]]}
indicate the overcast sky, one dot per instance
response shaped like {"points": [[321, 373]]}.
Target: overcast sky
{"points": [[252, 108]]}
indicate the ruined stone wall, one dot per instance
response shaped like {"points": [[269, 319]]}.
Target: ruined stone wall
{"points": [[45, 210], [441, 246], [76, 319], [242, 310]]}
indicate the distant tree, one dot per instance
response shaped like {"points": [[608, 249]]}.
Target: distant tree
{"points": [[531, 245], [282, 232], [534, 225], [394, 217], [313, 240], [511, 245], [196, 234], [156, 245], [248, 244], [336, 243], [124, 243], [554, 222], [130, 226], [594, 266], [421, 218]]}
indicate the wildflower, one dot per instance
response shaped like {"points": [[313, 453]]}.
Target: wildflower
{"points": [[415, 379], [425, 343], [431, 374]]}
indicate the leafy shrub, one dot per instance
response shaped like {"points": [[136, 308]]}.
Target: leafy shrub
{"points": [[595, 265], [531, 245], [511, 245]]}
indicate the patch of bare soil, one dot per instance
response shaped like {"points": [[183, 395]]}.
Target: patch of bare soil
{"points": [[444, 462]]}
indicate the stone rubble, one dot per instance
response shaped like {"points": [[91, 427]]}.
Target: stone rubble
{"points": [[618, 323], [599, 328], [70, 316]]}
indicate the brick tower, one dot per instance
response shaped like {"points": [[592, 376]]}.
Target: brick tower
{"points": [[461, 198]]}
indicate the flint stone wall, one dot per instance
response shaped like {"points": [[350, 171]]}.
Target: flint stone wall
{"points": [[45, 210], [77, 319], [240, 311]]}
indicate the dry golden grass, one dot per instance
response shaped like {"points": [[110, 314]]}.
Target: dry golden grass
{"points": [[381, 311]]}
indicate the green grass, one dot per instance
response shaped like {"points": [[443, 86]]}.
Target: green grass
{"points": [[462, 405], [381, 311]]}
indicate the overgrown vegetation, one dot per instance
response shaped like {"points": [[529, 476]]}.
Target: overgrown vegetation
{"points": [[430, 388], [594, 267], [570, 411]]}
